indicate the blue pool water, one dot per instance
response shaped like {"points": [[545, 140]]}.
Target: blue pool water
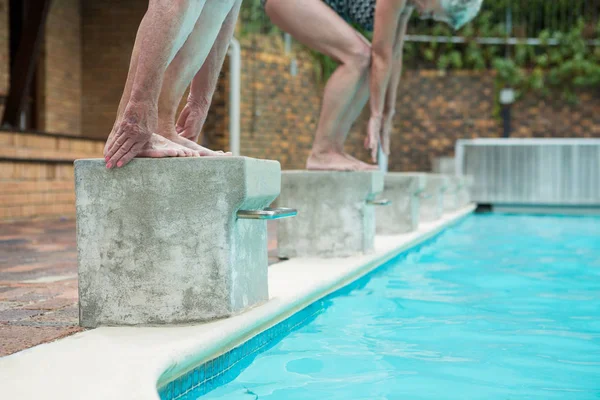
{"points": [[498, 307]]}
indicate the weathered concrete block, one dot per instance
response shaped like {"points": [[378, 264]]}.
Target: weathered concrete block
{"points": [[334, 219], [402, 216], [159, 241], [457, 194], [451, 193], [463, 196], [431, 201], [444, 165]]}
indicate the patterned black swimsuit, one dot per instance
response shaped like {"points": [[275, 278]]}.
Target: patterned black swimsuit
{"points": [[358, 12]]}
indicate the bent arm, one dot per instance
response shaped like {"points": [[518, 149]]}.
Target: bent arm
{"points": [[387, 20], [396, 74], [204, 83]]}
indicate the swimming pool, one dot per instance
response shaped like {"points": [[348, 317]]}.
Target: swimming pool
{"points": [[498, 307]]}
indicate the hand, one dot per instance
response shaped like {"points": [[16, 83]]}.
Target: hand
{"points": [[373, 136], [191, 120], [388, 125], [129, 135]]}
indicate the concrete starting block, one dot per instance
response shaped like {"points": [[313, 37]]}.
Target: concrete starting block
{"points": [[402, 216], [457, 194], [431, 200], [336, 213], [169, 241], [464, 191], [451, 193]]}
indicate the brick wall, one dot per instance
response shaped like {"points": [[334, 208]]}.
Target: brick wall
{"points": [[551, 116], [279, 111], [43, 188], [434, 109], [432, 112], [59, 79], [36, 190], [109, 29], [4, 53]]}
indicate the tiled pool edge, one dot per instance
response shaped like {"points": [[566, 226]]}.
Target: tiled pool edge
{"points": [[205, 371]]}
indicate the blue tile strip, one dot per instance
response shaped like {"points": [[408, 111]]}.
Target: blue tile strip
{"points": [[228, 366]]}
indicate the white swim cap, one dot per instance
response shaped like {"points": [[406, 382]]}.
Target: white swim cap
{"points": [[461, 11]]}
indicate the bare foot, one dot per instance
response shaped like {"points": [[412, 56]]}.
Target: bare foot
{"points": [[167, 130], [330, 161], [159, 147], [202, 151], [362, 166]]}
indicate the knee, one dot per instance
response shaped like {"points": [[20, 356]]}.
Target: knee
{"points": [[360, 58]]}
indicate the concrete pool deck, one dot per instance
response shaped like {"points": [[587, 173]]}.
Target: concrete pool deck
{"points": [[38, 282], [129, 363]]}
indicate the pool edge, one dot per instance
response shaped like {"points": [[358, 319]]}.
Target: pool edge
{"points": [[319, 292]]}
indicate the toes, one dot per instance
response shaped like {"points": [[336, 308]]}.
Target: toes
{"points": [[192, 153], [171, 153]]}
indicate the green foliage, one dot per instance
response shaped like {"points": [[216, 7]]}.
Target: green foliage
{"points": [[566, 66], [254, 20]]}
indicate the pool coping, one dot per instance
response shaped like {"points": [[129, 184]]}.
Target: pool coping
{"points": [[131, 363]]}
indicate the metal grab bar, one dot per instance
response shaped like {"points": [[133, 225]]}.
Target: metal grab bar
{"points": [[379, 202], [267, 213], [422, 195]]}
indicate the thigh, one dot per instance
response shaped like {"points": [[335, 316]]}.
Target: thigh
{"points": [[316, 25], [208, 25]]}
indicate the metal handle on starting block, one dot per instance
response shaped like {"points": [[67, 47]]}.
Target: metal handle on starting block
{"points": [[379, 202], [421, 194], [267, 213]]}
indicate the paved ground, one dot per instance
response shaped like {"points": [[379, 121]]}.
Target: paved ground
{"points": [[38, 283]]}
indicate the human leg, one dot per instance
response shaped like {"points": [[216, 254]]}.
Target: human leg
{"points": [[316, 25]]}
